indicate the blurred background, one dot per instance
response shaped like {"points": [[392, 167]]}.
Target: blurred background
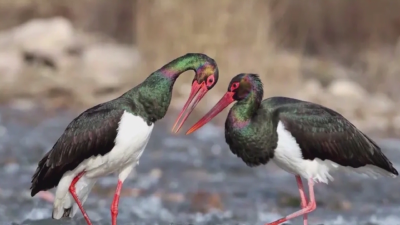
{"points": [[58, 57]]}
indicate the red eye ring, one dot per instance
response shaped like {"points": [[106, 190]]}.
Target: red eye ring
{"points": [[210, 81], [234, 86]]}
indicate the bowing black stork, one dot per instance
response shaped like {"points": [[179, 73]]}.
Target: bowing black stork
{"points": [[111, 137]]}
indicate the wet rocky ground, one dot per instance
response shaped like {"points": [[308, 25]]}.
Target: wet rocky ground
{"points": [[186, 180]]}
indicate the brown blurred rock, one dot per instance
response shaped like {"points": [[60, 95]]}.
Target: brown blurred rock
{"points": [[114, 18], [344, 88], [396, 122], [346, 205], [288, 200], [380, 104], [340, 205], [109, 64], [47, 60], [171, 197], [51, 36], [110, 191], [43, 41], [312, 87], [131, 192], [202, 201], [10, 65], [156, 173]]}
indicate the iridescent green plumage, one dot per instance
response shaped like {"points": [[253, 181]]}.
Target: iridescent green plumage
{"points": [[153, 96], [302, 138], [94, 131], [320, 132], [245, 124]]}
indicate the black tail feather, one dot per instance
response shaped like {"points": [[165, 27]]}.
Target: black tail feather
{"points": [[44, 177]]}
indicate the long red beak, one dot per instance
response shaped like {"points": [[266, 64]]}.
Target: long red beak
{"points": [[198, 91], [222, 104]]}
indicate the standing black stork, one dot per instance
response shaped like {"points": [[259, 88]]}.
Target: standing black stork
{"points": [[111, 137], [302, 138]]}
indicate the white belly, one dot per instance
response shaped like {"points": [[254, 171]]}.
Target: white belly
{"points": [[288, 157], [132, 138]]}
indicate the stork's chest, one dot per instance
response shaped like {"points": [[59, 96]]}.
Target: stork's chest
{"points": [[250, 137], [132, 137], [244, 144]]}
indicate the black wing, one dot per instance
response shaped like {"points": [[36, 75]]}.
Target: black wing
{"points": [[91, 133], [325, 134]]}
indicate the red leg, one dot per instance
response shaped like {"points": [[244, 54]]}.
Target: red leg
{"points": [[114, 206], [310, 207], [73, 193], [302, 197]]}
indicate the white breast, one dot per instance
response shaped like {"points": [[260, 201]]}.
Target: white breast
{"points": [[288, 157], [132, 138]]}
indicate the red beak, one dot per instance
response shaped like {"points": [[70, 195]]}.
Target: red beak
{"points": [[222, 104], [198, 91]]}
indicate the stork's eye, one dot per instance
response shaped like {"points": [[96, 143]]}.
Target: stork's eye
{"points": [[234, 86], [210, 80]]}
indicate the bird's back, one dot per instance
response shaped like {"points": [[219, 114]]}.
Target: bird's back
{"points": [[325, 134]]}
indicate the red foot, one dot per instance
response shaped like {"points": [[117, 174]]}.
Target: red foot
{"points": [[311, 206]]}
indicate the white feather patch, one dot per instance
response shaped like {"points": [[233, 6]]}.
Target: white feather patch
{"points": [[288, 157], [132, 138]]}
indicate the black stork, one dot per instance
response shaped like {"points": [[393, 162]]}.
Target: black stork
{"points": [[302, 138], [110, 137]]}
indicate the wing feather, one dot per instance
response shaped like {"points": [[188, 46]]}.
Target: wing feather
{"points": [[91, 133], [325, 134]]}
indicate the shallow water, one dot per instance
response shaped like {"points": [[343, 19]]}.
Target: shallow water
{"points": [[180, 179]]}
